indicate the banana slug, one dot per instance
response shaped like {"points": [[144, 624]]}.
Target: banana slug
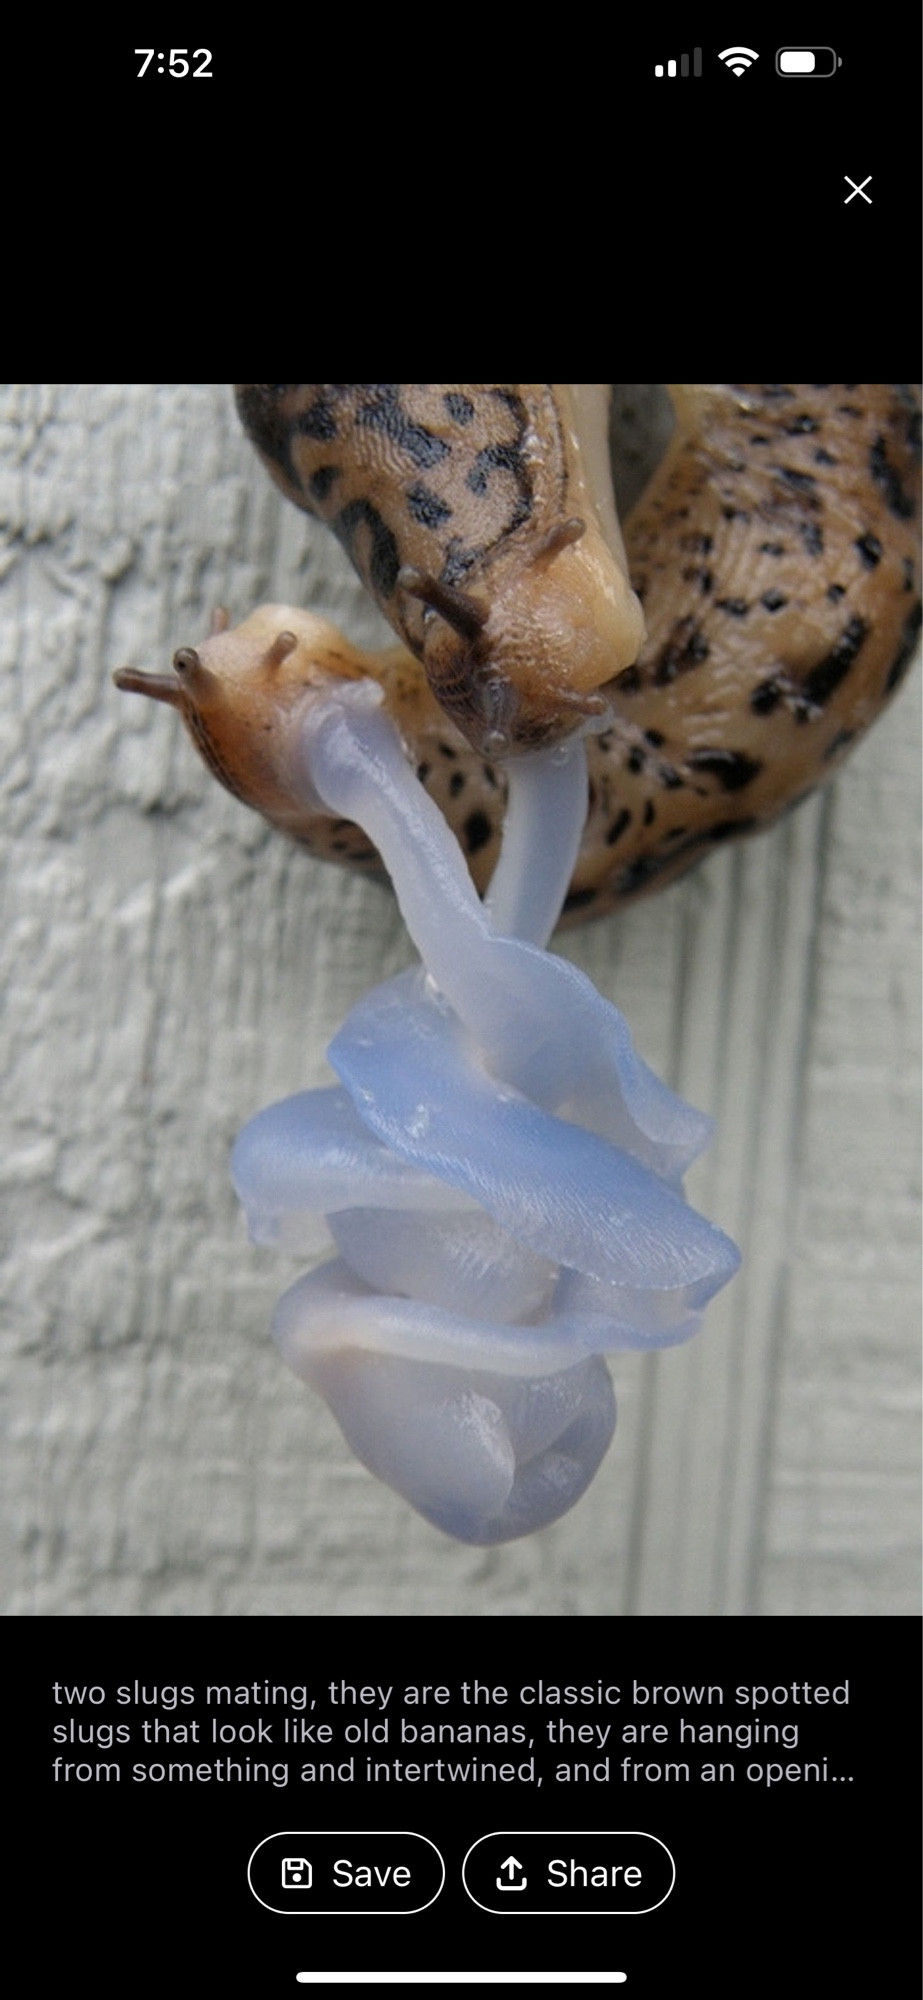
{"points": [[774, 557]]}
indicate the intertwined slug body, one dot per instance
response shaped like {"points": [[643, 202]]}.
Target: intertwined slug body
{"points": [[774, 555]]}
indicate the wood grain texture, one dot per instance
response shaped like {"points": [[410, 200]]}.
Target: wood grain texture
{"points": [[169, 966]]}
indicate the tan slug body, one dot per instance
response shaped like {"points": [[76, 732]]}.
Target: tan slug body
{"points": [[775, 554], [473, 516]]}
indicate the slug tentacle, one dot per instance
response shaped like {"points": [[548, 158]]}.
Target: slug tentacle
{"points": [[459, 609]]}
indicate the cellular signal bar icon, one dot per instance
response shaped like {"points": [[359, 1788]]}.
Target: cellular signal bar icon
{"points": [[670, 68]]}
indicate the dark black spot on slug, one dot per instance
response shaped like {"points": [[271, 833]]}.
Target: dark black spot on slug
{"points": [[510, 456], [649, 815], [732, 768], [887, 479], [578, 899], [426, 507], [423, 771], [835, 592], [456, 784], [800, 482], [321, 481], [477, 831], [869, 548], [822, 457], [640, 872], [812, 537], [819, 684], [460, 408], [798, 424], [383, 560], [318, 421], [616, 830], [772, 548], [686, 647], [383, 411], [727, 828], [766, 697], [736, 607], [504, 456], [773, 600], [635, 760], [458, 559], [914, 424], [629, 681], [905, 650]]}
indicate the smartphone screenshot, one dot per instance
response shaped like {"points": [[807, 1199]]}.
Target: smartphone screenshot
{"points": [[461, 1041]]}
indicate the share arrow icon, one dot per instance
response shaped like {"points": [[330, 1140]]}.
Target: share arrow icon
{"points": [[512, 1868]]}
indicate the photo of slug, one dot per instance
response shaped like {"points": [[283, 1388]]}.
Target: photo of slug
{"points": [[565, 718]]}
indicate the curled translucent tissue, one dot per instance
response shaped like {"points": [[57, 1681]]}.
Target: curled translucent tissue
{"points": [[500, 1173]]}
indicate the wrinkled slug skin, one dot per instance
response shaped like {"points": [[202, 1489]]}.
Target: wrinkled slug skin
{"points": [[775, 553], [473, 517]]}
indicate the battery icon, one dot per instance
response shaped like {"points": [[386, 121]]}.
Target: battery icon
{"points": [[807, 62]]}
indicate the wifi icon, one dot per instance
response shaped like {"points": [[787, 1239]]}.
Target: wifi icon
{"points": [[738, 60]]}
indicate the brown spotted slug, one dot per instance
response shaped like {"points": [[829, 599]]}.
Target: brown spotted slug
{"points": [[774, 556]]}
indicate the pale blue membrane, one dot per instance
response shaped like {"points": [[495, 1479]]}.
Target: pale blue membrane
{"points": [[499, 1170], [537, 1020]]}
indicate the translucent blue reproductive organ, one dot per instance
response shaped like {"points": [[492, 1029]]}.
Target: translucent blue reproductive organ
{"points": [[498, 1170]]}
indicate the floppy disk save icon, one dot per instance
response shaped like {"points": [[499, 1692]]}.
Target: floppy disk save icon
{"points": [[296, 1872]]}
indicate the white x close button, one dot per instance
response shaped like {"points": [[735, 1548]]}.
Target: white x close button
{"points": [[858, 187]]}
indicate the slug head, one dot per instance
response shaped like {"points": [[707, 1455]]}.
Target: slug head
{"points": [[523, 666], [239, 694]]}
